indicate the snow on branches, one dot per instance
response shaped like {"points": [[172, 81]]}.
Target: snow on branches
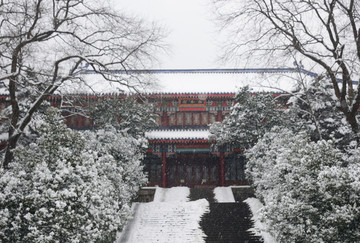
{"points": [[309, 194], [303, 162], [69, 186]]}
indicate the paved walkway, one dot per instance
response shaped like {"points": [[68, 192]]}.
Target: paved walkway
{"points": [[171, 217]]}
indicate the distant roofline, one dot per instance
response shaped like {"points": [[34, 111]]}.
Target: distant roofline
{"points": [[208, 70]]}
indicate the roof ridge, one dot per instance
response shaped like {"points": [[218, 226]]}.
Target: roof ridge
{"points": [[203, 70]]}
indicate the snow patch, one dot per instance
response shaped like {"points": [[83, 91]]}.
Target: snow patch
{"points": [[259, 230], [178, 134], [174, 194], [224, 194], [243, 186], [4, 136]]}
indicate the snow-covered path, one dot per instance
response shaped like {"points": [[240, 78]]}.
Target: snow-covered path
{"points": [[174, 194], [169, 218]]}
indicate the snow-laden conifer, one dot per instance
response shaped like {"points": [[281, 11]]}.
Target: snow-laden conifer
{"points": [[66, 187], [252, 115], [310, 194]]}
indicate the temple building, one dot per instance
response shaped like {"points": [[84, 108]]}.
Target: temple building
{"points": [[186, 103], [180, 153]]}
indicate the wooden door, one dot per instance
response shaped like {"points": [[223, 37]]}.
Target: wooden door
{"points": [[192, 171]]}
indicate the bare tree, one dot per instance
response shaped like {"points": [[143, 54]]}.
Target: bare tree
{"points": [[44, 43], [325, 32]]}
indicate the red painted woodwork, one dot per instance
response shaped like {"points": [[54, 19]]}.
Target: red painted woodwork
{"points": [[81, 121], [163, 169], [165, 119], [181, 118], [214, 104], [192, 109], [193, 145], [219, 116], [222, 169]]}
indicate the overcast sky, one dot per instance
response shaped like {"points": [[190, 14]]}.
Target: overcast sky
{"points": [[192, 36]]}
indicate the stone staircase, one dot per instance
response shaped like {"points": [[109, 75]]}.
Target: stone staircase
{"points": [[226, 222], [170, 217], [172, 221]]}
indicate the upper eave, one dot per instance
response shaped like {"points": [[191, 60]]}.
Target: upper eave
{"points": [[209, 70]]}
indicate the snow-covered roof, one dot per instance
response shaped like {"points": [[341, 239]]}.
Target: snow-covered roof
{"points": [[193, 80], [186, 133], [4, 136], [186, 80]]}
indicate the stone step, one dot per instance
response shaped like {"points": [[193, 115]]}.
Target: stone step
{"points": [[200, 193], [163, 222], [241, 193]]}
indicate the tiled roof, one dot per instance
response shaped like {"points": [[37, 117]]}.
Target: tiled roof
{"points": [[191, 81], [211, 70]]}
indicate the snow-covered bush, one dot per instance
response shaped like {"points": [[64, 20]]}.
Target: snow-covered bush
{"points": [[312, 108], [125, 169], [250, 117], [120, 125], [318, 112], [310, 194], [63, 188]]}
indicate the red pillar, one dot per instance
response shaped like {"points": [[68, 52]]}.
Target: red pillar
{"points": [[219, 116], [163, 169], [222, 168], [165, 119]]}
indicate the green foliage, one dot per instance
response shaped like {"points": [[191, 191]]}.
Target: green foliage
{"points": [[124, 113]]}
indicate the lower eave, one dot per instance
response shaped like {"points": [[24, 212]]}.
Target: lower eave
{"points": [[179, 141]]}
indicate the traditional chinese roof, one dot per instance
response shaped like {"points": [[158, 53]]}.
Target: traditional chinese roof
{"points": [[188, 82], [209, 70]]}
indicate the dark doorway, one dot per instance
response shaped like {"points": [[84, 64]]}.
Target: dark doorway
{"points": [[192, 170]]}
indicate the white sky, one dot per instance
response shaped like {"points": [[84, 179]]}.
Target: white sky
{"points": [[195, 42], [192, 32]]}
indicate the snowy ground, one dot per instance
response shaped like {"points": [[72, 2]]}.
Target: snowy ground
{"points": [[224, 194], [169, 218], [255, 205], [172, 218], [174, 194]]}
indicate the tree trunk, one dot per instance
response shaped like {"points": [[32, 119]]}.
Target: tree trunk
{"points": [[9, 155], [351, 118]]}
